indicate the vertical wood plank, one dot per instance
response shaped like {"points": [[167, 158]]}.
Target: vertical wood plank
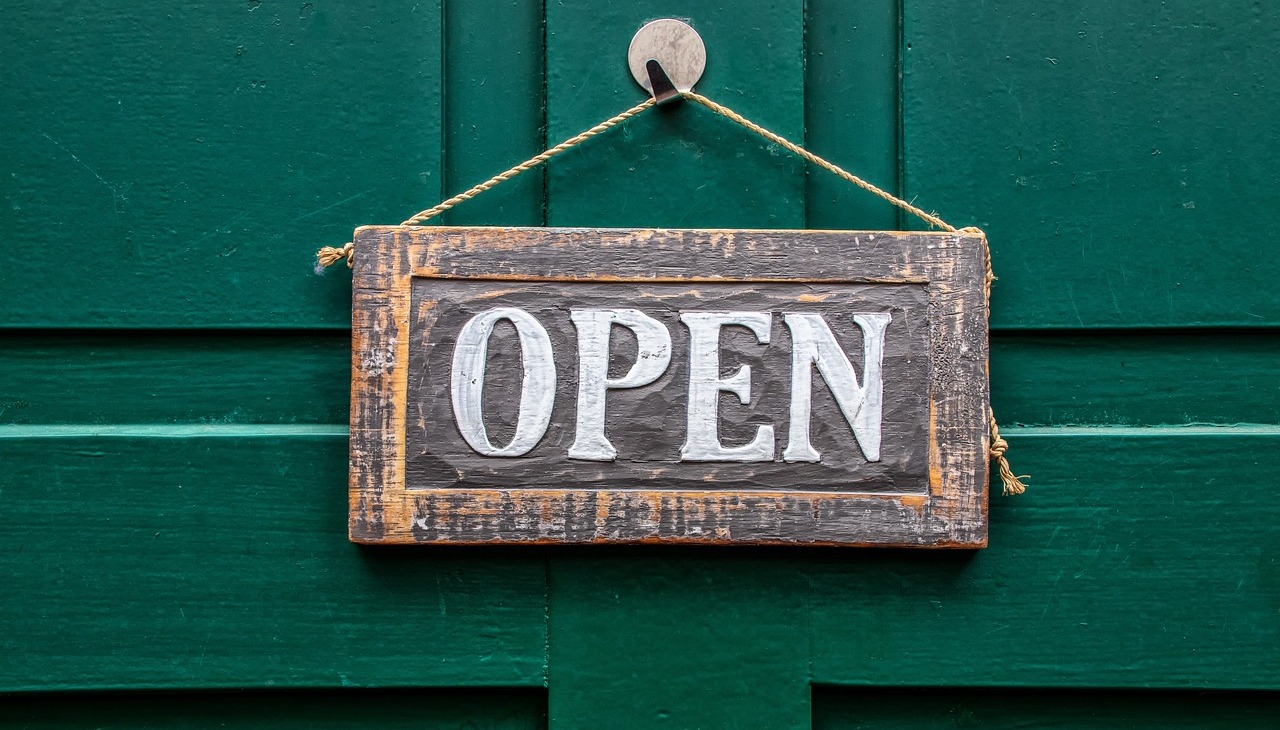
{"points": [[651, 638], [852, 79], [179, 168], [494, 106], [638, 641], [676, 166], [1121, 158]]}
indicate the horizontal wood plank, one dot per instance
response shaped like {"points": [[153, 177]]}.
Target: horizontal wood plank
{"points": [[348, 709], [194, 561], [78, 377], [198, 561], [1064, 378], [1136, 378]]}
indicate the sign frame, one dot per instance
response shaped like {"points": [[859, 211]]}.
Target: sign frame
{"points": [[949, 512]]}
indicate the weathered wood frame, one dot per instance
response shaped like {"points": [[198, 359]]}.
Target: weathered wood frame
{"points": [[951, 513]]}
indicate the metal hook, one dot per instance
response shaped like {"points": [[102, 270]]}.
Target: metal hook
{"points": [[667, 58], [659, 84]]}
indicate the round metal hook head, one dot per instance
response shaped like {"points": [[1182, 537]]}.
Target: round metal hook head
{"points": [[677, 48]]}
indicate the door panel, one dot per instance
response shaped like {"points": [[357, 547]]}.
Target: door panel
{"points": [[175, 372]]}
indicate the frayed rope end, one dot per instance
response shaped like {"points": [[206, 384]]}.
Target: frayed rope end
{"points": [[330, 255], [1012, 484]]}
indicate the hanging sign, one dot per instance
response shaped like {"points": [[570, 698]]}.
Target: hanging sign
{"points": [[579, 386]]}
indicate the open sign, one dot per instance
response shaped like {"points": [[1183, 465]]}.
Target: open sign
{"points": [[572, 385]]}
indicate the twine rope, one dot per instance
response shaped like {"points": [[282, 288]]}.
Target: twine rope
{"points": [[796, 149], [1012, 483], [330, 255]]}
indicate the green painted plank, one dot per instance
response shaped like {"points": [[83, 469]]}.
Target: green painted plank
{"points": [[1137, 558], [25, 432], [494, 109], [221, 560], [652, 637], [1117, 155], [156, 377], [348, 709], [180, 167], [163, 563], [681, 165], [922, 709], [851, 109], [1136, 378], [1124, 378]]}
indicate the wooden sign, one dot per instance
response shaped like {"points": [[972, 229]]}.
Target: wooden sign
{"points": [[578, 386]]}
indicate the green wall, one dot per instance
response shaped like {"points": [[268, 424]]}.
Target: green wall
{"points": [[174, 372]]}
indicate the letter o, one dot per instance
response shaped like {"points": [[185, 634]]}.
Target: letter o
{"points": [[537, 390]]}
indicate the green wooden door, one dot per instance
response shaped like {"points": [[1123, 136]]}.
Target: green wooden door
{"points": [[175, 372]]}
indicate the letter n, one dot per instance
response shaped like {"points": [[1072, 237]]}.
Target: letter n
{"points": [[814, 345]]}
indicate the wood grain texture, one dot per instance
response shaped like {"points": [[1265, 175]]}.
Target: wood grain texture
{"points": [[386, 508], [217, 558], [350, 709], [192, 240], [134, 377], [1121, 575]]}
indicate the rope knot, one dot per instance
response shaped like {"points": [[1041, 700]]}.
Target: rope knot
{"points": [[1013, 484], [330, 255], [998, 448]]}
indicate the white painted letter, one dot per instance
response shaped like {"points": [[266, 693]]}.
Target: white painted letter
{"points": [[653, 355], [537, 390], [812, 343], [702, 439]]}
